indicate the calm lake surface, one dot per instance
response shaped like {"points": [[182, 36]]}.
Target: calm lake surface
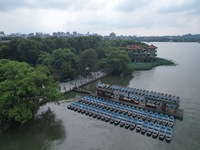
{"points": [[56, 127]]}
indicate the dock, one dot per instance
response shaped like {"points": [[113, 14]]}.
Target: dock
{"points": [[161, 103], [177, 113]]}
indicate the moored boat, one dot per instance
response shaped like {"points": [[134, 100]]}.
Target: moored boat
{"points": [[160, 118], [156, 131], [129, 113], [122, 123], [83, 111], [149, 116], [90, 113], [102, 117], [95, 114], [134, 114], [168, 136], [133, 124], [139, 125], [165, 120], [144, 115], [120, 111], [112, 120], [75, 108], [144, 127], [154, 117], [162, 132], [69, 106], [127, 124], [125, 111], [98, 116], [107, 118], [150, 129], [171, 121], [117, 121], [139, 115], [79, 110]]}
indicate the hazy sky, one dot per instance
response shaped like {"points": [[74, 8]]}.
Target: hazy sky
{"points": [[124, 17]]}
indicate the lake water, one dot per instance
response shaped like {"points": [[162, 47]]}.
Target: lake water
{"points": [[56, 127]]}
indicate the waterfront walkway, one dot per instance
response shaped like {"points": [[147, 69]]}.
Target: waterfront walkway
{"points": [[81, 81]]}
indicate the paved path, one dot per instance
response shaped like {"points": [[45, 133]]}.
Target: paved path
{"points": [[80, 81]]}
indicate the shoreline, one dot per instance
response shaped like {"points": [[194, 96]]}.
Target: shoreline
{"points": [[81, 81]]}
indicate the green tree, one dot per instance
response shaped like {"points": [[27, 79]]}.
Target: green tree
{"points": [[83, 43], [117, 61], [88, 58], [23, 90], [62, 58], [3, 51], [28, 51], [61, 55], [66, 72], [48, 45], [45, 59]]}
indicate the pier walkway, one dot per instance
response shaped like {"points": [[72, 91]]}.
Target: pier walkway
{"points": [[80, 81]]}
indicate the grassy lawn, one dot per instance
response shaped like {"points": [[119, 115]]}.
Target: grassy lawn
{"points": [[150, 65]]}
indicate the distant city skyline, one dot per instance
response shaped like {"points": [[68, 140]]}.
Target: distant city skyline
{"points": [[75, 33], [123, 17]]}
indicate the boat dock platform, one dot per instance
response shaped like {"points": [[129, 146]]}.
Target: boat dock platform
{"points": [[177, 113], [153, 101]]}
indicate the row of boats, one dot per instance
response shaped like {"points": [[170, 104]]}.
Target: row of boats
{"points": [[145, 93], [139, 98], [123, 115], [135, 112]]}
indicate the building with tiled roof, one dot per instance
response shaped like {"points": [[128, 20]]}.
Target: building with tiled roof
{"points": [[152, 47], [140, 54]]}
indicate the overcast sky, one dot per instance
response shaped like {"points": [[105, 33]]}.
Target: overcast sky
{"points": [[123, 17]]}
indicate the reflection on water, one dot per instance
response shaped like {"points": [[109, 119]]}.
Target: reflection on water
{"points": [[72, 95], [43, 132], [114, 79], [110, 79]]}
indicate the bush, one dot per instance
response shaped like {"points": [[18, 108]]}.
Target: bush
{"points": [[149, 65]]}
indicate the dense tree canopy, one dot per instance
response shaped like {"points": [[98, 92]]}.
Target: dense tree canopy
{"points": [[117, 61], [61, 62], [23, 90], [68, 57], [88, 58]]}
